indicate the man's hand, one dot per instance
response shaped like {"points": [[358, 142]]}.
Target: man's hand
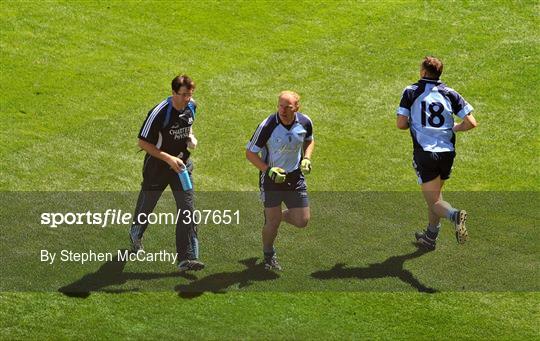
{"points": [[176, 164], [305, 166], [276, 174], [192, 142]]}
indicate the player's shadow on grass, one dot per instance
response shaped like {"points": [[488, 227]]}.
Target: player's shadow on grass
{"points": [[112, 273], [219, 282], [392, 267]]}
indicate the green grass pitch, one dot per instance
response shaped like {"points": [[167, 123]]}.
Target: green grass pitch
{"points": [[77, 79]]}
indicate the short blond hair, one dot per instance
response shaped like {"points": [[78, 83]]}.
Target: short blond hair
{"points": [[292, 94]]}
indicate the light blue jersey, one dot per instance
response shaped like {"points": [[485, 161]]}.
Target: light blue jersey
{"points": [[430, 106], [279, 145]]}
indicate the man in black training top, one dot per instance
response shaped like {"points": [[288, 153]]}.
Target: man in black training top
{"points": [[166, 135]]}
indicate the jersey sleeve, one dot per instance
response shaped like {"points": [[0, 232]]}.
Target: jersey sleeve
{"points": [[308, 125], [406, 102], [460, 107], [152, 124], [260, 137]]}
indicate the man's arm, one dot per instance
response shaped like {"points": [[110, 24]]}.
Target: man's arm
{"points": [[305, 165], [402, 122], [176, 164], [256, 143], [308, 148], [468, 123], [256, 160], [192, 140]]}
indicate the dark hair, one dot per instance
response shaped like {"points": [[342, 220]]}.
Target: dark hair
{"points": [[433, 67], [180, 81]]}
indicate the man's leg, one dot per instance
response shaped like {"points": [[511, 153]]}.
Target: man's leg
{"points": [[272, 219], [297, 202], [187, 243], [185, 227], [145, 205], [153, 184], [298, 216], [437, 209]]}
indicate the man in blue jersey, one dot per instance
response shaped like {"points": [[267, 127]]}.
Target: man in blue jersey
{"points": [[427, 108], [166, 135], [281, 149]]}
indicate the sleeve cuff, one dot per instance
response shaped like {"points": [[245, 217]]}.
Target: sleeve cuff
{"points": [[403, 112], [253, 148], [465, 111], [147, 140]]}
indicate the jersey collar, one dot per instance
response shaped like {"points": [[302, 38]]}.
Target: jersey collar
{"points": [[429, 80]]}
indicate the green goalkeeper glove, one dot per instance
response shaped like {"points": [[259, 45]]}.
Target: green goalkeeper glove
{"points": [[276, 174], [305, 166]]}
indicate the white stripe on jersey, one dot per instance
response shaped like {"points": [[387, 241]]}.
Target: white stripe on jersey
{"points": [[159, 141], [262, 181], [309, 119], [151, 118], [310, 122], [257, 133]]}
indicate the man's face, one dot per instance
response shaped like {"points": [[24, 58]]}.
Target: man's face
{"points": [[287, 106], [183, 95]]}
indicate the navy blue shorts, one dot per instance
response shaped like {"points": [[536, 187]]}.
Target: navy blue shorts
{"points": [[293, 192], [430, 165]]}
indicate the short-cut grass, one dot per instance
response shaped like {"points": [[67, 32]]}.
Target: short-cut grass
{"points": [[77, 79]]}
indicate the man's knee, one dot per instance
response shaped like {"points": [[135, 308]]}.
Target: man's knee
{"points": [[272, 220], [302, 222], [272, 224]]}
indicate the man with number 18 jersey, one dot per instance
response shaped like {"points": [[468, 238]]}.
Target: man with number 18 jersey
{"points": [[427, 108], [430, 107]]}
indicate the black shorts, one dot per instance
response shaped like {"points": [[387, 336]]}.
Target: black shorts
{"points": [[293, 192], [430, 165]]}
